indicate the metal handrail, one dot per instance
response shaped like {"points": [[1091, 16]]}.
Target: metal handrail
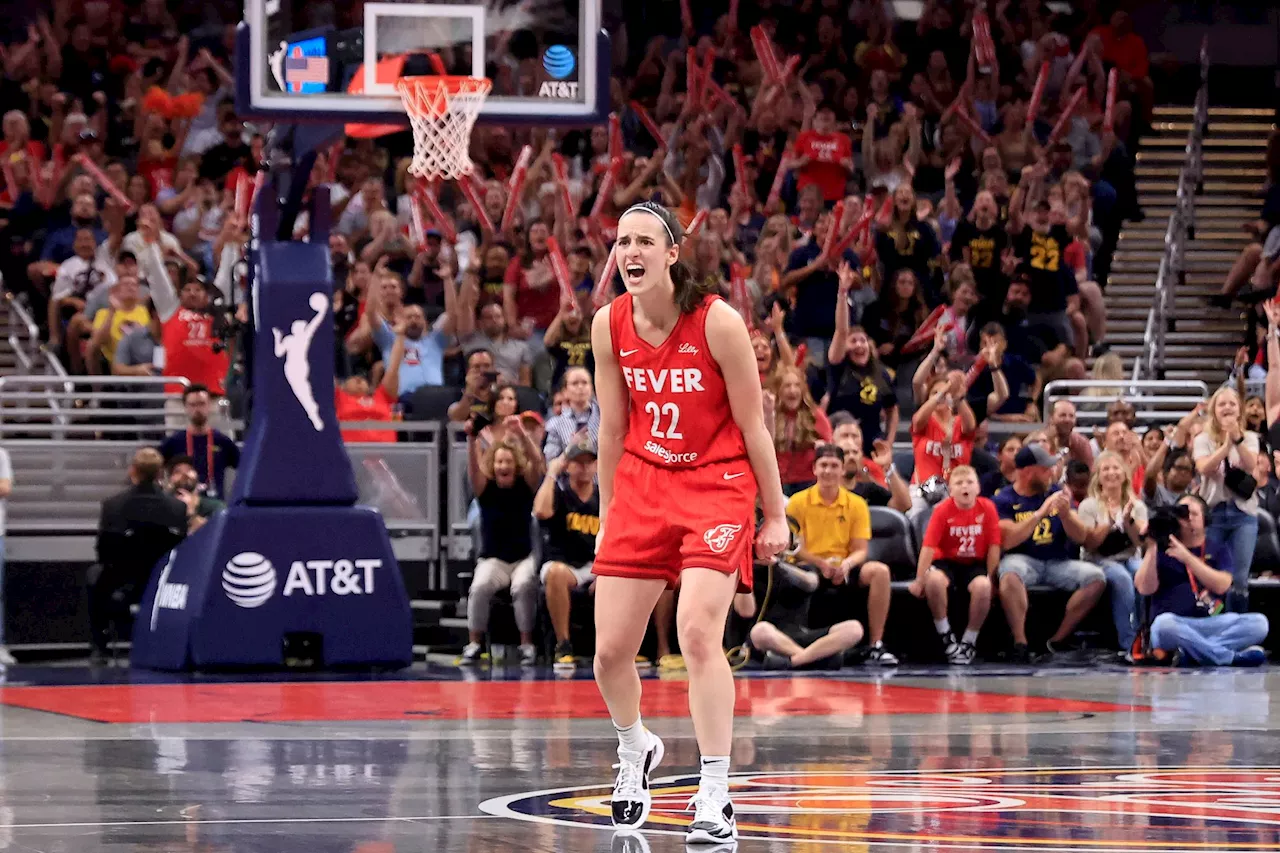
{"points": [[1150, 363], [21, 320]]}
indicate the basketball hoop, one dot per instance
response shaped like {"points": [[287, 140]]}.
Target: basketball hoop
{"points": [[442, 111]]}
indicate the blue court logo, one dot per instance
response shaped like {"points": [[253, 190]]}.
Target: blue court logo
{"points": [[559, 61]]}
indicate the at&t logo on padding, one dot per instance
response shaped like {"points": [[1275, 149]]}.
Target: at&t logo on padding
{"points": [[249, 579]]}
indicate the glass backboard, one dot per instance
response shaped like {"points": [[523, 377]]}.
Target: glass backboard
{"points": [[339, 59]]}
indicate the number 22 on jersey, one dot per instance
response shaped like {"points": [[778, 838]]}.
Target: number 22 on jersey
{"points": [[666, 410]]}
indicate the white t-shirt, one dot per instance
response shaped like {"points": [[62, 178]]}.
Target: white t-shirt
{"points": [[1092, 512], [78, 277], [1212, 487]]}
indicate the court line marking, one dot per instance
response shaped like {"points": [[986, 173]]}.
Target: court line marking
{"points": [[247, 820], [501, 807]]}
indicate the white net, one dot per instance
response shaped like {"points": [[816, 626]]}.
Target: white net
{"points": [[442, 112]]}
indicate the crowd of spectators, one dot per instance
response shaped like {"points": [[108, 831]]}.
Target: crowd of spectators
{"points": [[973, 244]]}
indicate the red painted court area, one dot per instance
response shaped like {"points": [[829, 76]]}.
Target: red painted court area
{"points": [[455, 700]]}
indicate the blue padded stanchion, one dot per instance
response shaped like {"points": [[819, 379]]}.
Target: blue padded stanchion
{"points": [[292, 554]]}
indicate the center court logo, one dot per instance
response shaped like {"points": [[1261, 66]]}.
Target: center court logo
{"points": [[249, 579], [991, 810]]}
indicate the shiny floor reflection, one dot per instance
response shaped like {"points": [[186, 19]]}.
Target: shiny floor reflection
{"points": [[1062, 760]]}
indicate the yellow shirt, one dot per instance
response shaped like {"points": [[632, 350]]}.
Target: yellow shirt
{"points": [[826, 529], [122, 323]]}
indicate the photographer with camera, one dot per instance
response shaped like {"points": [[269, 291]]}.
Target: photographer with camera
{"points": [[192, 333], [1185, 575], [478, 393]]}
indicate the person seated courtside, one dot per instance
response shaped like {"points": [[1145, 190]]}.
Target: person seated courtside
{"points": [[504, 481], [961, 548], [1187, 578], [137, 528], [1041, 536], [835, 529], [568, 505]]}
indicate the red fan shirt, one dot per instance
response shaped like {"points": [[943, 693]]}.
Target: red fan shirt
{"points": [[963, 535], [825, 151], [937, 450]]}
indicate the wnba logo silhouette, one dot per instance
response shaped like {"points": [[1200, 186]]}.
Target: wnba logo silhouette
{"points": [[295, 349]]}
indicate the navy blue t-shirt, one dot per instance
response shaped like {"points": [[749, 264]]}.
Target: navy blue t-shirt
{"points": [[1049, 540], [225, 454], [505, 518], [815, 312], [1174, 594]]}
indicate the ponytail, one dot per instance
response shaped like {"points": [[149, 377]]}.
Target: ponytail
{"points": [[689, 290]]}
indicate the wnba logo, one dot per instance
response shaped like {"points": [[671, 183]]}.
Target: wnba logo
{"points": [[720, 537], [249, 579]]}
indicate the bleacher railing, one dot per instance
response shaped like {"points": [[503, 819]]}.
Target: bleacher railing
{"points": [[59, 406], [1155, 401], [1150, 363]]}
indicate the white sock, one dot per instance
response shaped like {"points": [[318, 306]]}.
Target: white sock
{"points": [[970, 637], [715, 772], [942, 625], [632, 737]]}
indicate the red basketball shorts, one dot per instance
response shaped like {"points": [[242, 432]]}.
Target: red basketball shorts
{"points": [[663, 521]]}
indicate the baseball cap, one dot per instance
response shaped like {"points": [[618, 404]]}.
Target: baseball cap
{"points": [[578, 451], [532, 415], [1033, 455]]}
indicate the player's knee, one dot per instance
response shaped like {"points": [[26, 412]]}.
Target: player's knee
{"points": [[612, 653], [700, 637], [849, 633]]}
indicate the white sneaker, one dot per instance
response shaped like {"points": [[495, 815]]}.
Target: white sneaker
{"points": [[713, 821], [6, 659], [529, 655], [470, 655], [631, 800], [878, 655]]}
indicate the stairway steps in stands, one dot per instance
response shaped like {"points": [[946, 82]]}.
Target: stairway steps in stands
{"points": [[1179, 156], [1171, 170]]}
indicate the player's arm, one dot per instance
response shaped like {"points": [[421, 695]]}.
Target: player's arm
{"points": [[611, 394], [730, 346]]}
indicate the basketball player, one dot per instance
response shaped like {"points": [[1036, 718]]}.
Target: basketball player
{"points": [[683, 449]]}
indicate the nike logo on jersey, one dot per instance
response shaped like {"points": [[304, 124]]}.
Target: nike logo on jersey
{"points": [[626, 352], [735, 476]]}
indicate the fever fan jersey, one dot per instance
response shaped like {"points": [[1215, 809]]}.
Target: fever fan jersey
{"points": [[963, 535], [188, 342], [680, 416], [937, 449]]}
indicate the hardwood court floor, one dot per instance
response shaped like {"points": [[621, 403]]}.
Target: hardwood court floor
{"points": [[993, 759]]}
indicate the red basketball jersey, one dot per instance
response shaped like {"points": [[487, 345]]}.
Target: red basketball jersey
{"points": [[680, 416], [963, 535], [938, 450]]}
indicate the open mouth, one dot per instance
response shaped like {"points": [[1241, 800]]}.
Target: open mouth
{"points": [[633, 272]]}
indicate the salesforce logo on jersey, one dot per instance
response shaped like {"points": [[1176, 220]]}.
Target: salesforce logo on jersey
{"points": [[250, 580]]}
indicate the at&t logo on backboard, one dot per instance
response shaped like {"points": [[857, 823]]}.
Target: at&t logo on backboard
{"points": [[559, 61]]}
